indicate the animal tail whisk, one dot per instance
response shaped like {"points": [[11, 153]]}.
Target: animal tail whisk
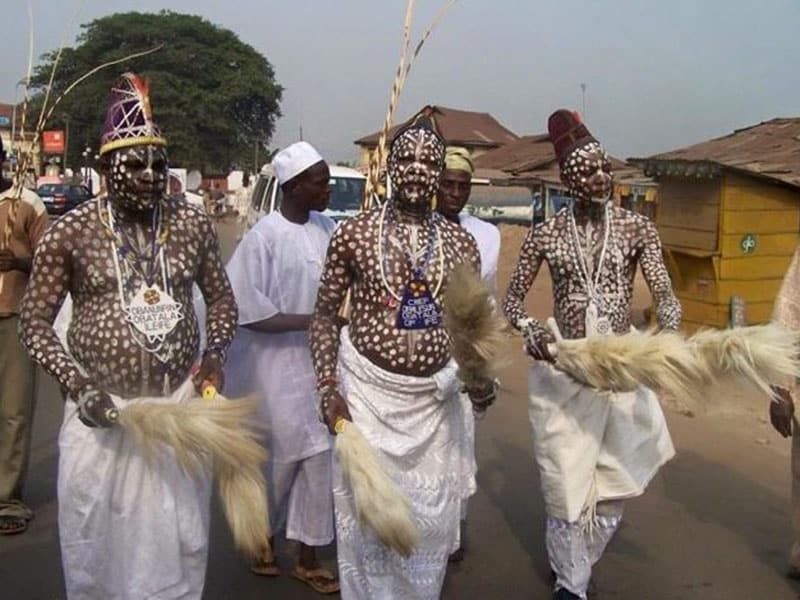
{"points": [[380, 505], [213, 433], [477, 331]]}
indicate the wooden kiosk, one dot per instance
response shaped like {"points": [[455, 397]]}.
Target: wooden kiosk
{"points": [[729, 217]]}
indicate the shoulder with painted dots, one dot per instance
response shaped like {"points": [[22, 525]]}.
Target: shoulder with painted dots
{"points": [[630, 217], [361, 225], [189, 214], [80, 217], [554, 223]]}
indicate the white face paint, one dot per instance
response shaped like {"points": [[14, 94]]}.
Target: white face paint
{"points": [[137, 177], [588, 174], [415, 164]]}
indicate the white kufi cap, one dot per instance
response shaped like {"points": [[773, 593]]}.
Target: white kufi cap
{"points": [[293, 160]]}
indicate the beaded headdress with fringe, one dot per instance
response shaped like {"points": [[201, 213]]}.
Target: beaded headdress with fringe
{"points": [[129, 120]]}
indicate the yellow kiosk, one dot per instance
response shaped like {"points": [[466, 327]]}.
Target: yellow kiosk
{"points": [[729, 217]]}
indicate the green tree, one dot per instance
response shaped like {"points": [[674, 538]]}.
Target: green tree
{"points": [[214, 97]]}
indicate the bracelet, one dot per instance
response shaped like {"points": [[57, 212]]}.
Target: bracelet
{"points": [[325, 382], [524, 322], [219, 349], [325, 390], [488, 398]]}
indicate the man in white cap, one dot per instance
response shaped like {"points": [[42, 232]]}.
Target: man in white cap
{"points": [[453, 195], [275, 274]]}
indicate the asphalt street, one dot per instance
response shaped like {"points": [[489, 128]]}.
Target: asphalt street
{"points": [[714, 524]]}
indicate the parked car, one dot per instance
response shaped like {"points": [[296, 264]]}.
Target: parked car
{"points": [[60, 198], [347, 190]]}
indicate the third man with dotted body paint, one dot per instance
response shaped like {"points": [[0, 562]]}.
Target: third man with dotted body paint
{"points": [[592, 451]]}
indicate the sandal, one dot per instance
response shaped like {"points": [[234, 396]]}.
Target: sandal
{"points": [[266, 568], [321, 580], [12, 525]]}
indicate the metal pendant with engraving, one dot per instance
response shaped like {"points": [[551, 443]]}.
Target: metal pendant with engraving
{"points": [[418, 309], [596, 324], [153, 313]]}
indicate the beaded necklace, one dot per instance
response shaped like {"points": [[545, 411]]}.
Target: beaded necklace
{"points": [[597, 321], [136, 303], [127, 252], [388, 224]]}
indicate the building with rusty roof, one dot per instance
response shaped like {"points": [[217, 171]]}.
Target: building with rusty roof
{"points": [[479, 132], [729, 218]]}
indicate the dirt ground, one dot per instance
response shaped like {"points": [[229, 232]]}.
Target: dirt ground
{"points": [[713, 525]]}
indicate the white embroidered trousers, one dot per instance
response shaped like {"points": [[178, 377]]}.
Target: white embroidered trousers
{"points": [[574, 548], [301, 499]]}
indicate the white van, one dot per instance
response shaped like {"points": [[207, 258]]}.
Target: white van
{"points": [[347, 191]]}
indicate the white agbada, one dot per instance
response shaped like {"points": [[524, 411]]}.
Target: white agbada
{"points": [[487, 237], [131, 526], [276, 269]]}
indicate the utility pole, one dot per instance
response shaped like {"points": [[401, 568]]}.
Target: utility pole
{"points": [[66, 143], [301, 132], [14, 118], [583, 100]]}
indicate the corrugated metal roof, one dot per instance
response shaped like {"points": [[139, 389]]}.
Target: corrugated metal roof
{"points": [[768, 150], [532, 156], [463, 127], [526, 153]]}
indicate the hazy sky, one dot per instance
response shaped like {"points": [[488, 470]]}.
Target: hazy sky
{"points": [[659, 75]]}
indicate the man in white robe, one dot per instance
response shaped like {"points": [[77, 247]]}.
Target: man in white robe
{"points": [[454, 189], [275, 274]]}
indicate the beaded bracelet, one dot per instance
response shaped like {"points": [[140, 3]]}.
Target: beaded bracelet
{"points": [[326, 382], [219, 349]]}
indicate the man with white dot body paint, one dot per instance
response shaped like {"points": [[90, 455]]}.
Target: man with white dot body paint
{"points": [[593, 449], [390, 372], [131, 526]]}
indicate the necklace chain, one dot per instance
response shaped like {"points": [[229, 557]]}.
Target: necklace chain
{"points": [[123, 255], [581, 258], [144, 266], [387, 217]]}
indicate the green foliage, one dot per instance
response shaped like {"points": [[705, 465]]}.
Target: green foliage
{"points": [[213, 96]]}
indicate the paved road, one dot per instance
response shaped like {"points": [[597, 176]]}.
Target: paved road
{"points": [[714, 524]]}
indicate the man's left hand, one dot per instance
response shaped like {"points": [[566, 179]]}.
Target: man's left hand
{"points": [[209, 373], [8, 262]]}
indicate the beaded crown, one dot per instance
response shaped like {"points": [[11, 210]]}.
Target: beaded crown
{"points": [[129, 120]]}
